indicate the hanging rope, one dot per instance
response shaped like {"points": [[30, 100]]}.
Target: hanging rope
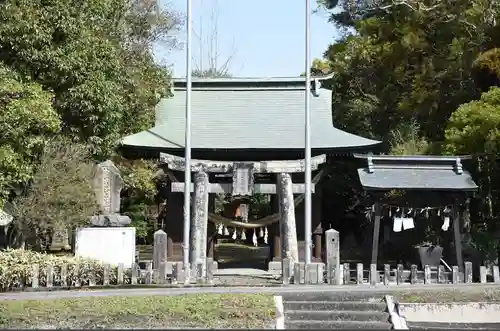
{"points": [[268, 220]]}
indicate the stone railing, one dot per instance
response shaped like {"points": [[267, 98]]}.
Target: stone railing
{"points": [[57, 276], [343, 274]]}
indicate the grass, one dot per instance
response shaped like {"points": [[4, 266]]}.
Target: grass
{"points": [[194, 310], [449, 295]]}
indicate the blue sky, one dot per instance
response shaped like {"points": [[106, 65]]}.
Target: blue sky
{"points": [[263, 37]]}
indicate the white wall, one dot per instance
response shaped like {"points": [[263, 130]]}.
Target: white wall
{"points": [[111, 245]]}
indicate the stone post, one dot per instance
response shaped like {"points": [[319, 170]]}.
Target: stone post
{"points": [[332, 240], [288, 228], [159, 248], [199, 222]]}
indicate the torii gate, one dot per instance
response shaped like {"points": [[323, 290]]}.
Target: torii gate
{"points": [[244, 184]]}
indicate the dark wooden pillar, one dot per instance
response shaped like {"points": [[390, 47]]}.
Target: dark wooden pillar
{"points": [[170, 247], [276, 246], [376, 232], [173, 225], [317, 213], [212, 229], [317, 241], [457, 238], [274, 233]]}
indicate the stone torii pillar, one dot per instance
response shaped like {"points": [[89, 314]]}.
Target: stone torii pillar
{"points": [[287, 226], [199, 222]]}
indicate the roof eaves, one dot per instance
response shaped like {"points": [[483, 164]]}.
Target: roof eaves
{"points": [[416, 179], [413, 158], [153, 137], [250, 80]]}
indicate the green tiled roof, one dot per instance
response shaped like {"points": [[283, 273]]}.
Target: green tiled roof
{"points": [[246, 113], [416, 172]]}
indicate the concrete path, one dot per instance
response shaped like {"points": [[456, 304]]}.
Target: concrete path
{"points": [[304, 289]]}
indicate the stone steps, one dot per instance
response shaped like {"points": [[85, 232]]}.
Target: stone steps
{"points": [[336, 315], [338, 306], [336, 325], [335, 310], [356, 296]]}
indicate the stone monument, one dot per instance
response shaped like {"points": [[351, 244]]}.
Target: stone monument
{"points": [[60, 238], [108, 238], [108, 184]]}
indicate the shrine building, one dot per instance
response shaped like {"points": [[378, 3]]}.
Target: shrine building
{"points": [[247, 138]]}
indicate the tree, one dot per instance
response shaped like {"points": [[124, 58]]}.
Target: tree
{"points": [[405, 140], [475, 127], [421, 62], [209, 63], [60, 194], [403, 61], [86, 70], [96, 57], [27, 119]]}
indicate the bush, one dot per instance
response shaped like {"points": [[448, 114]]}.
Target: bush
{"points": [[59, 197], [16, 269]]}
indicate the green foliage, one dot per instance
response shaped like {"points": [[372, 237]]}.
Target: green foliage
{"points": [[141, 220], [60, 194], [16, 266], [96, 58], [143, 228], [475, 126], [26, 119], [481, 240], [489, 61], [406, 61], [405, 140], [139, 177], [85, 70]]}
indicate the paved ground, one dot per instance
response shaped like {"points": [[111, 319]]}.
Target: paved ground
{"points": [[325, 289]]}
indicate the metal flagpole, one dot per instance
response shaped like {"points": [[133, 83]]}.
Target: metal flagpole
{"points": [[187, 143], [307, 151]]}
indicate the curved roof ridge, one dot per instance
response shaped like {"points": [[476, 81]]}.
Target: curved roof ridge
{"points": [[243, 80], [247, 118]]}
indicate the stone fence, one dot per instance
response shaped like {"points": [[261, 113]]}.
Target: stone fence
{"points": [[293, 273], [54, 276], [315, 273]]}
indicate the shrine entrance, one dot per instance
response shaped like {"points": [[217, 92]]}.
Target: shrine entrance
{"points": [[246, 248], [234, 237]]}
